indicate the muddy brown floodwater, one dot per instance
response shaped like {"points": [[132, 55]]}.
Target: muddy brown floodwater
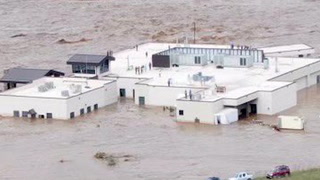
{"points": [[44, 33], [162, 148]]}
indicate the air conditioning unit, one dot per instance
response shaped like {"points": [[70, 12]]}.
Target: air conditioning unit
{"points": [[65, 93]]}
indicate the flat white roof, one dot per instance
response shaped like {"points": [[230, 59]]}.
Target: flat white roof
{"points": [[74, 86], [286, 48], [244, 80]]}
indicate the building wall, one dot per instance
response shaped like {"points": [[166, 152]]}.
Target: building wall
{"points": [[204, 111], [8, 104], [101, 96], [233, 61], [257, 55], [160, 95], [272, 102], [162, 61], [188, 59], [128, 84], [60, 108], [284, 98]]}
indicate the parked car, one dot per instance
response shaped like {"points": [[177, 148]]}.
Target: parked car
{"points": [[242, 176], [213, 178], [279, 171]]}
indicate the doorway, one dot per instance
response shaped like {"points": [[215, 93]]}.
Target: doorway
{"points": [[243, 113], [122, 92], [133, 94], [218, 119], [318, 79], [253, 108], [141, 100]]}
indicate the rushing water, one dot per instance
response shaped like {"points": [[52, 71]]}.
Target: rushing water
{"points": [[163, 149]]}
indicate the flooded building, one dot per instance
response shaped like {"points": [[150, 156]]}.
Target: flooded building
{"points": [[217, 88], [57, 98]]}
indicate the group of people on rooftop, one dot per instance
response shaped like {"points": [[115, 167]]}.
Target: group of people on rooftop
{"points": [[232, 46], [140, 69]]}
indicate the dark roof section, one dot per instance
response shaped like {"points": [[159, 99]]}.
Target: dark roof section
{"points": [[24, 75], [89, 59]]}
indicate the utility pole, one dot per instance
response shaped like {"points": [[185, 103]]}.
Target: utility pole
{"points": [[194, 32]]}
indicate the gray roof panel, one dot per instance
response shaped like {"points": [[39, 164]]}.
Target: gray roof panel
{"points": [[23, 75], [88, 58]]}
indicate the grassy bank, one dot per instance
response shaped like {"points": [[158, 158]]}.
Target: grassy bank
{"points": [[312, 174]]}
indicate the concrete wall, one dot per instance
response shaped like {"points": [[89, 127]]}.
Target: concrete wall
{"points": [[126, 83], [272, 102], [8, 104], [102, 96], [160, 95], [60, 108], [202, 110], [239, 101]]}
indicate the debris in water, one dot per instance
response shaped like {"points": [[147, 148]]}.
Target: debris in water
{"points": [[63, 41], [18, 35], [113, 159]]}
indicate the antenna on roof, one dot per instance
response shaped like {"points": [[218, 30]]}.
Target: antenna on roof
{"points": [[276, 69], [86, 64], [194, 32]]}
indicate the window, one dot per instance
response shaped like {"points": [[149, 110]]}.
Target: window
{"points": [[243, 61], [104, 67], [82, 111], [181, 112], [25, 113], [197, 60], [83, 69], [88, 109], [41, 116], [71, 115], [95, 107], [16, 113], [49, 116]]}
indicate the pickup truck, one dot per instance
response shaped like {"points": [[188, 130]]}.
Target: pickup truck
{"points": [[242, 176]]}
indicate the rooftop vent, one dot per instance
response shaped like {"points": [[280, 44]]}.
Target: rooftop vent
{"points": [[65, 93], [46, 87], [199, 77], [75, 88]]}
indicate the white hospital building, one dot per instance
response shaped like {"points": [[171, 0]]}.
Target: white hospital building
{"points": [[214, 84], [58, 98]]}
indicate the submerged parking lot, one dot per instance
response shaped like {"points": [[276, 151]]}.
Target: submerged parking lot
{"points": [[163, 149]]}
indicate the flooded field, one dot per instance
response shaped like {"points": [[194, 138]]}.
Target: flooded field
{"points": [[162, 148]]}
